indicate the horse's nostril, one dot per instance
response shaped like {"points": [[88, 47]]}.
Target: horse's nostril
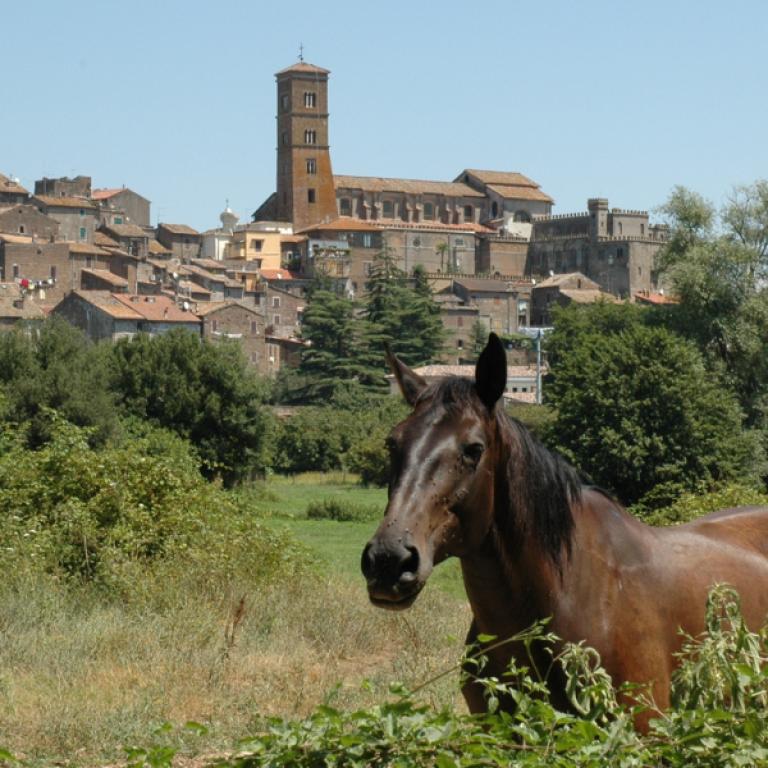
{"points": [[409, 566], [367, 561]]}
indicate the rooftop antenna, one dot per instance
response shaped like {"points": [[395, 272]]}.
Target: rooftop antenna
{"points": [[301, 52]]}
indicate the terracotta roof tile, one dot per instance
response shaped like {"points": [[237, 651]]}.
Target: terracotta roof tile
{"points": [[106, 276], [277, 274], [343, 223], [91, 248], [519, 192], [125, 230], [304, 66], [13, 187], [179, 229], [104, 240], [500, 177], [104, 194], [108, 303], [155, 308], [409, 186], [65, 202], [588, 296]]}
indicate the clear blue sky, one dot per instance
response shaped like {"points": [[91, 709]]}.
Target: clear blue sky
{"points": [[176, 99]]}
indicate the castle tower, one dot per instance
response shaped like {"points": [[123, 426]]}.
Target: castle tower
{"points": [[305, 191], [598, 217]]}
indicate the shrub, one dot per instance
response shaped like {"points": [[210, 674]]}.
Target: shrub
{"points": [[339, 509], [113, 515], [690, 505]]}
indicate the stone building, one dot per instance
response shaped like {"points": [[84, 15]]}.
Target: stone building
{"points": [[304, 193], [16, 306], [11, 191], [78, 217], [235, 321], [502, 306], [80, 186], [562, 290], [28, 220], [129, 238], [105, 315], [122, 206], [183, 241], [614, 247]]}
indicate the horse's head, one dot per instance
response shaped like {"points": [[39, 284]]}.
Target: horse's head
{"points": [[441, 485]]}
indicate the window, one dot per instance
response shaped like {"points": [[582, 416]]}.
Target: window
{"points": [[310, 195], [53, 271], [621, 228], [257, 245], [388, 209], [21, 229], [311, 165], [642, 229], [469, 213], [310, 99], [523, 216], [88, 262], [275, 319], [214, 325], [345, 206], [254, 328], [367, 240], [15, 270], [284, 138], [276, 302], [620, 253], [460, 321], [310, 136], [494, 209], [458, 242], [83, 233], [429, 211], [284, 102], [82, 211], [460, 343], [118, 219]]}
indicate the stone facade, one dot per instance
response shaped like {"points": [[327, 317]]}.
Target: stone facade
{"points": [[614, 247], [104, 315], [78, 218], [231, 320], [181, 240], [28, 220], [122, 206], [503, 306], [80, 186], [305, 192], [11, 191], [282, 311], [562, 290]]}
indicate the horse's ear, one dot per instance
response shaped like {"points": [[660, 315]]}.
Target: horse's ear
{"points": [[491, 372], [411, 384]]}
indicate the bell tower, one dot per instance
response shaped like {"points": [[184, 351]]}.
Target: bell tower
{"points": [[305, 190]]}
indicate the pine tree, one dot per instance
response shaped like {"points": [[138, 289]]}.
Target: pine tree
{"points": [[405, 317]]}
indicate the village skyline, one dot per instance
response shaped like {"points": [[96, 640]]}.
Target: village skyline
{"points": [[179, 104]]}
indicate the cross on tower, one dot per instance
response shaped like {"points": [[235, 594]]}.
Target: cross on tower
{"points": [[301, 51]]}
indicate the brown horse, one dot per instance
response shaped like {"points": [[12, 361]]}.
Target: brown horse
{"points": [[534, 541]]}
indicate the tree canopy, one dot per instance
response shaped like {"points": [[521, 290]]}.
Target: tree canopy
{"points": [[638, 411]]}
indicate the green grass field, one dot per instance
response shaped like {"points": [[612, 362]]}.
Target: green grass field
{"points": [[284, 503]]}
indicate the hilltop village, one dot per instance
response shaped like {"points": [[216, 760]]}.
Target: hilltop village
{"points": [[487, 240]]}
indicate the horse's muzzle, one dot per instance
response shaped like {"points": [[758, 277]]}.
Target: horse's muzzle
{"points": [[391, 572]]}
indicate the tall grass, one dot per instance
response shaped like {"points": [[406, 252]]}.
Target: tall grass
{"points": [[82, 676]]}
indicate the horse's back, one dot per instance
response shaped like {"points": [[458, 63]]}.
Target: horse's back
{"points": [[745, 527]]}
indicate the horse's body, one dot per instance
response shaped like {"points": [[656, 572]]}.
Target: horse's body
{"points": [[534, 542]]}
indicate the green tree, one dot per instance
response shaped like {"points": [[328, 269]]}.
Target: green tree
{"points": [[638, 411], [717, 269], [204, 392], [403, 316], [54, 367]]}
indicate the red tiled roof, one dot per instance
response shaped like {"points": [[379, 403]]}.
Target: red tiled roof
{"points": [[7, 185], [85, 248], [277, 274], [155, 308], [107, 276], [644, 297], [304, 66], [500, 177], [519, 192], [104, 194], [343, 223], [126, 230], [104, 240], [65, 202], [158, 248], [409, 186], [179, 229]]}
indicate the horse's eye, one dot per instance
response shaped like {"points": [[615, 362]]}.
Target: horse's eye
{"points": [[472, 452]]}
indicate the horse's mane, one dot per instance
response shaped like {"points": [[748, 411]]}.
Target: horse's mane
{"points": [[538, 486]]}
